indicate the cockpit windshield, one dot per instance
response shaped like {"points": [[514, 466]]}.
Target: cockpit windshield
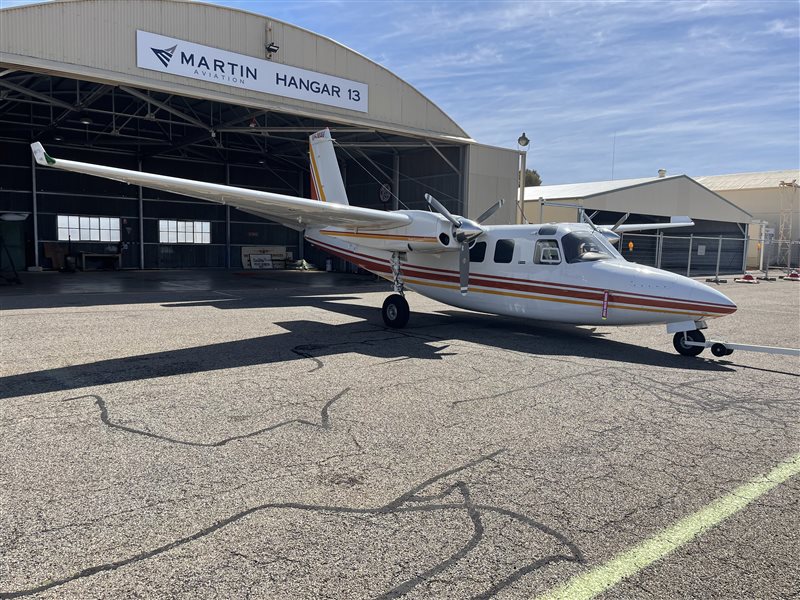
{"points": [[587, 246]]}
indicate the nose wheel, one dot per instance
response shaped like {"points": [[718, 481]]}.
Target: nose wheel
{"points": [[395, 311], [680, 339]]}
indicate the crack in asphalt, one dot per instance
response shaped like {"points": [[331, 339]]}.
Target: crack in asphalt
{"points": [[324, 424], [410, 501]]}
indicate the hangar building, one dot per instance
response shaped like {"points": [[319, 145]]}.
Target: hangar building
{"points": [[211, 93], [773, 198], [655, 200]]}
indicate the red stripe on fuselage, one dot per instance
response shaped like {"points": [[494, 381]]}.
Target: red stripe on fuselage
{"points": [[530, 286]]}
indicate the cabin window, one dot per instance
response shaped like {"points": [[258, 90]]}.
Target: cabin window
{"points": [[504, 251], [546, 252], [478, 252]]}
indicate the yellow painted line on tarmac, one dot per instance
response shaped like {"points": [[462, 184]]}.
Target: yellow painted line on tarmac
{"points": [[597, 580]]}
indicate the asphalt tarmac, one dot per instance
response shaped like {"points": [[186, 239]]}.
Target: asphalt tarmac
{"points": [[214, 435]]}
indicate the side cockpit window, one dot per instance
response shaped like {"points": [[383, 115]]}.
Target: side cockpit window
{"points": [[546, 252], [504, 251], [478, 252]]}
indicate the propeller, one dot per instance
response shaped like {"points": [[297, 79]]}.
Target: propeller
{"points": [[621, 221], [588, 220], [464, 231], [490, 211], [611, 233]]}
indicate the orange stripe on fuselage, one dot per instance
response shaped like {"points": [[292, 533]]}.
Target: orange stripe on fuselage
{"points": [[378, 236]]}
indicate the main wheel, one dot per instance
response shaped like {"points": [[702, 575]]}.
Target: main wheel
{"points": [[693, 336], [395, 311]]}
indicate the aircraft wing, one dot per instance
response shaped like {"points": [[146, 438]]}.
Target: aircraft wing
{"points": [[291, 211]]}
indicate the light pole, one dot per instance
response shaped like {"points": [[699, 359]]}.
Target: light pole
{"points": [[522, 148]]}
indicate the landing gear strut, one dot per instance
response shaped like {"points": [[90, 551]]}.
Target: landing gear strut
{"points": [[680, 339], [395, 310]]}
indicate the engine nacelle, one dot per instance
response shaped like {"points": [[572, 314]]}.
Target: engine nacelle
{"points": [[427, 232]]}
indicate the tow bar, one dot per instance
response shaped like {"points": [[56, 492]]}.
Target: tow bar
{"points": [[720, 349]]}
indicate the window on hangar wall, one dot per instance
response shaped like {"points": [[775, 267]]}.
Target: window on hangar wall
{"points": [[87, 229], [184, 232]]}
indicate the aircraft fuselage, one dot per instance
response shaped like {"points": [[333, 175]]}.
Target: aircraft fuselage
{"points": [[534, 271]]}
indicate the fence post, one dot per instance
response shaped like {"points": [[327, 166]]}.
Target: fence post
{"points": [[719, 253], [689, 262], [659, 248]]}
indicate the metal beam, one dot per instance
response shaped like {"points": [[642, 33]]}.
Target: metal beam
{"points": [[37, 95], [444, 158], [269, 130], [374, 164], [165, 106]]}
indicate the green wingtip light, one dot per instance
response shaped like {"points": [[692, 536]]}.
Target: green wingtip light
{"points": [[50, 160]]}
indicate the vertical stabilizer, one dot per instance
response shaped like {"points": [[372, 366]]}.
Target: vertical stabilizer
{"points": [[326, 179]]}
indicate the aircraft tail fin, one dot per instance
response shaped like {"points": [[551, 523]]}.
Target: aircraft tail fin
{"points": [[326, 179]]}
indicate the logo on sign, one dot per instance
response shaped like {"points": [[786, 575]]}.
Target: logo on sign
{"points": [[164, 55], [160, 53]]}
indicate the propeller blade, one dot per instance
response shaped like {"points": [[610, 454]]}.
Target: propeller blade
{"points": [[588, 220], [621, 221], [463, 264], [442, 210], [490, 211]]}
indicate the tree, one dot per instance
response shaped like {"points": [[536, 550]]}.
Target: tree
{"points": [[532, 178]]}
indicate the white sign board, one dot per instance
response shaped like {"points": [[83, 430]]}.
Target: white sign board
{"points": [[187, 59], [261, 261]]}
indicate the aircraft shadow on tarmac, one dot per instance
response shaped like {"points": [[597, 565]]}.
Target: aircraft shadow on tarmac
{"points": [[313, 341], [449, 497]]}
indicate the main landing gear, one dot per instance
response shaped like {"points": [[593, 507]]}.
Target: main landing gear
{"points": [[395, 310]]}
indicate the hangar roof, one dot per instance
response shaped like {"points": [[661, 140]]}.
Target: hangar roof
{"points": [[677, 195], [748, 181], [584, 190], [96, 40]]}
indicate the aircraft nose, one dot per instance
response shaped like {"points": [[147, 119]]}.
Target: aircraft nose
{"points": [[705, 294]]}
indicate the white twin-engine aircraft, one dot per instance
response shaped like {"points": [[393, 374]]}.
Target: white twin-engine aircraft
{"points": [[565, 272]]}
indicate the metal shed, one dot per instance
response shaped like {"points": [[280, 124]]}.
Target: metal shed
{"points": [[720, 231]]}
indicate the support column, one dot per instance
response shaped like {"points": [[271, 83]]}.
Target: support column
{"points": [[396, 180], [300, 237], [141, 223], [227, 220], [35, 214]]}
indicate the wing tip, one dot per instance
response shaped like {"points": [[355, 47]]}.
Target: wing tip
{"points": [[42, 157]]}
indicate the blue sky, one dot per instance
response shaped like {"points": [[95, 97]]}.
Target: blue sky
{"points": [[702, 88]]}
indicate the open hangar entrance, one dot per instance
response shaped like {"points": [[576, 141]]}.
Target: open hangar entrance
{"points": [[135, 85], [196, 139]]}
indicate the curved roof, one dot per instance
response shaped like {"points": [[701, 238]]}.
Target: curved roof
{"points": [[666, 196], [95, 40]]}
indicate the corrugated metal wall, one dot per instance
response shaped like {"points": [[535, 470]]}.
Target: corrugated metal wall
{"points": [[96, 39]]}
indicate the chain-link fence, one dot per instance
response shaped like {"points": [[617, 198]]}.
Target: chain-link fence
{"points": [[696, 256]]}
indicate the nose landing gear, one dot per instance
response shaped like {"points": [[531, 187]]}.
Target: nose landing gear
{"points": [[680, 339]]}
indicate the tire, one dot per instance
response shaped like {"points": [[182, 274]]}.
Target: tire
{"points": [[395, 311], [693, 336]]}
